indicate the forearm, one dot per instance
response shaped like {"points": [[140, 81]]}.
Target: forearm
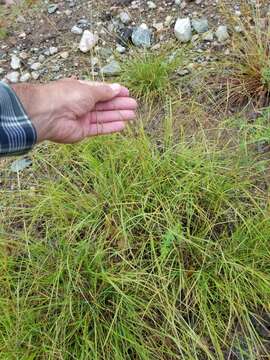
{"points": [[17, 133]]}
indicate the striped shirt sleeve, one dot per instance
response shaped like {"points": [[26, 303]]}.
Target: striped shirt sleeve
{"points": [[17, 133]]}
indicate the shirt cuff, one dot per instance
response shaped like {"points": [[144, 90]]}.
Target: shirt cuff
{"points": [[17, 133]]}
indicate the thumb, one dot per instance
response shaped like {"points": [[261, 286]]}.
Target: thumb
{"points": [[101, 91]]}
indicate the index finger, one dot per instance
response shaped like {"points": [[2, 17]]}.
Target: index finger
{"points": [[124, 92]]}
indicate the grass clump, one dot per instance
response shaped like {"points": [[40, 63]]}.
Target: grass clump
{"points": [[151, 75], [136, 251], [247, 70]]}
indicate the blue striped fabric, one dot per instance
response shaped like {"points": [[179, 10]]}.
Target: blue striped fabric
{"points": [[17, 133]]}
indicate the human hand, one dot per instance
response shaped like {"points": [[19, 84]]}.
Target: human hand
{"points": [[67, 111]]}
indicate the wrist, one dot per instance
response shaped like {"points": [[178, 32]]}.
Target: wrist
{"points": [[32, 99]]}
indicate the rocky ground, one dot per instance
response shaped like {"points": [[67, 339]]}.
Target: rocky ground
{"points": [[48, 41]]}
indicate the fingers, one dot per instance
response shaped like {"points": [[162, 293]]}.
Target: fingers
{"points": [[99, 92], [111, 116], [107, 128], [118, 103], [124, 92]]}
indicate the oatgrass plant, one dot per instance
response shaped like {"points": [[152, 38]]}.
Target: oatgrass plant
{"points": [[127, 250], [246, 71]]}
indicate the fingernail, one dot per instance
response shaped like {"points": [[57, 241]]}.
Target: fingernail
{"points": [[116, 88]]}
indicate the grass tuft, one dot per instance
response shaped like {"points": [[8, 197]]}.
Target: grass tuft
{"points": [[151, 75], [246, 72]]}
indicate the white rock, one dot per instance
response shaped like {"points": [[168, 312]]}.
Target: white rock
{"points": [[238, 29], [35, 75], [21, 19], [76, 30], [182, 29], [158, 26], [94, 61], [24, 55], [168, 20], [120, 49], [35, 66], [88, 41], [64, 55], [53, 50], [13, 76], [151, 5], [222, 33], [25, 77], [124, 17], [22, 35], [177, 2], [144, 26], [41, 58], [15, 62], [156, 46]]}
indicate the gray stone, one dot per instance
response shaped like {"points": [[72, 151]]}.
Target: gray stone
{"points": [[113, 68], [208, 36], [20, 164], [200, 25], [141, 36], [105, 52], [182, 30], [52, 8], [76, 30], [88, 41], [183, 72], [13, 76], [222, 33], [124, 36], [83, 23], [15, 62]]}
